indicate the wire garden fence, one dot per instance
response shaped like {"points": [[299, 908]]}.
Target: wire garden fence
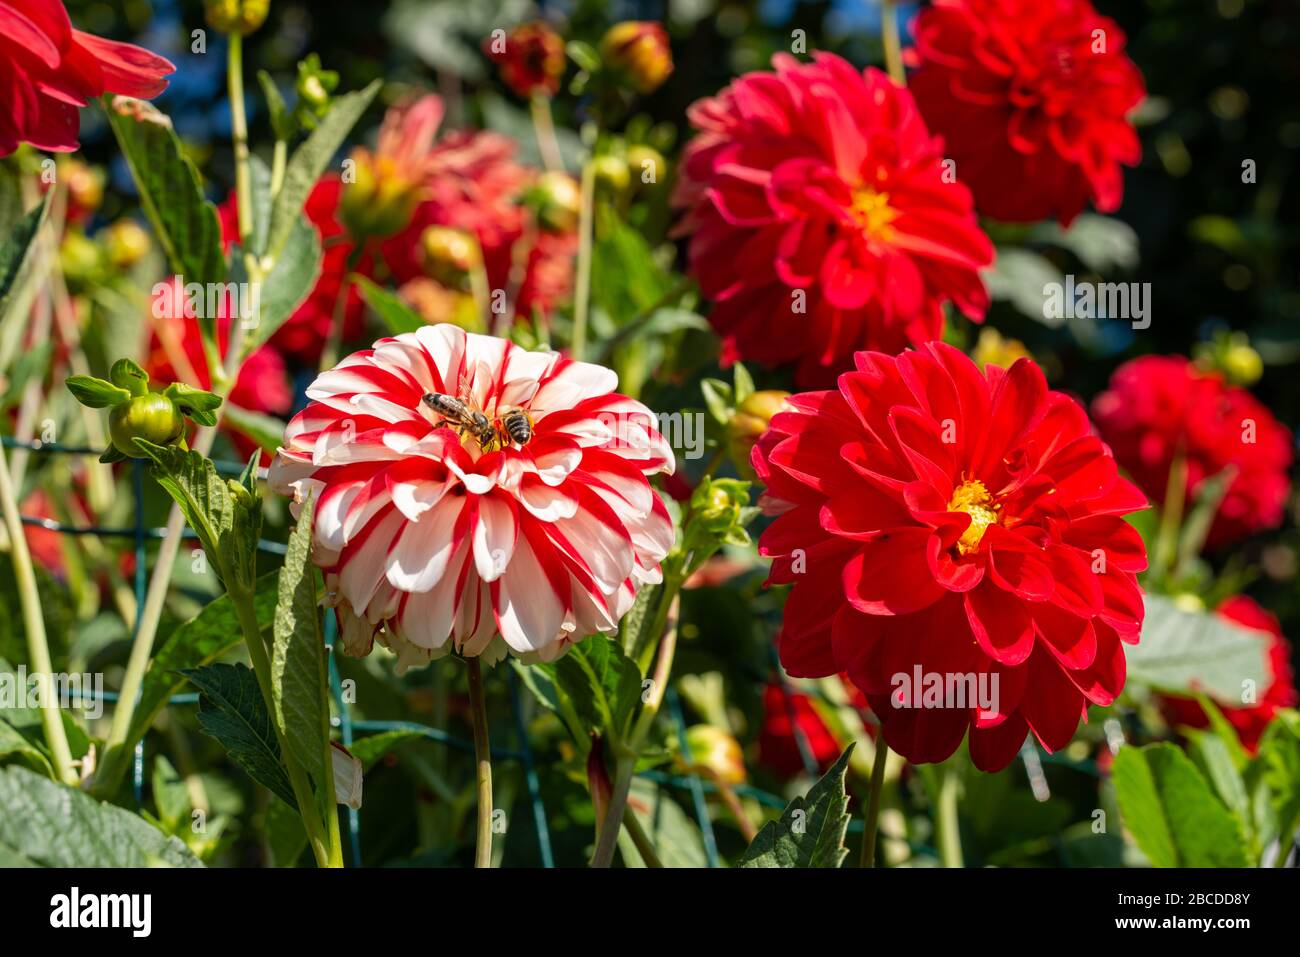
{"points": [[520, 750]]}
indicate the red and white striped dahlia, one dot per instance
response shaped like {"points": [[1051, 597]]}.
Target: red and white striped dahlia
{"points": [[434, 543], [941, 522]]}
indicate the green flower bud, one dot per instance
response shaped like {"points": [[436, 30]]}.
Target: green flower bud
{"points": [[236, 16], [152, 417]]}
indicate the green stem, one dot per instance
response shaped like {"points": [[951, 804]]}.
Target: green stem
{"points": [[889, 36], [239, 137], [873, 803], [279, 160], [38, 648], [298, 779], [640, 839], [544, 130], [607, 837], [582, 290], [947, 832], [482, 763]]}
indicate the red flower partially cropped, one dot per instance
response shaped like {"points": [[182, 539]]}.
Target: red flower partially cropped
{"points": [[942, 524], [1032, 98], [790, 725], [1250, 720], [435, 536], [1158, 405], [822, 220], [48, 71]]}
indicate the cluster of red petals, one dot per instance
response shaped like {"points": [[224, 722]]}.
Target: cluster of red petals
{"points": [[473, 182], [792, 728], [175, 354], [1249, 720], [532, 60], [1032, 98], [1159, 405], [936, 517], [822, 220], [48, 71]]}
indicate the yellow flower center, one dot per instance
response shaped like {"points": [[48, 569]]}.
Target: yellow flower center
{"points": [[974, 499], [874, 213]]}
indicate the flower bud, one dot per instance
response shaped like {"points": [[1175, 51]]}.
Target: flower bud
{"points": [[717, 751], [611, 173], [598, 780], [991, 349], [85, 185], [749, 423], [79, 256], [152, 417], [638, 49], [127, 243], [531, 59], [646, 165], [1242, 364], [449, 254], [236, 16], [378, 202], [313, 86], [558, 201], [436, 303]]}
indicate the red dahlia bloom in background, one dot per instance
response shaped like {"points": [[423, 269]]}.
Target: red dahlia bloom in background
{"points": [[1249, 720], [303, 335], [532, 60], [434, 540], [1158, 405], [778, 745], [48, 70], [932, 516], [820, 220], [1032, 99]]}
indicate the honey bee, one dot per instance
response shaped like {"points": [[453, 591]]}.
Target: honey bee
{"points": [[516, 426], [457, 414]]}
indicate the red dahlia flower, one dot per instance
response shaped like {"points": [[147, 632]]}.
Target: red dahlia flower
{"points": [[1032, 98], [532, 60], [1158, 405], [1249, 720], [821, 219], [959, 524], [447, 537], [48, 70], [778, 746]]}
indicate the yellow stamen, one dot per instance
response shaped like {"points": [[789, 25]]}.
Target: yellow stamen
{"points": [[874, 213], [973, 499]]}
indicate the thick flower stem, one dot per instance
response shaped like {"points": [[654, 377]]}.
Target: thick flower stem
{"points": [[582, 289], [872, 821], [482, 763], [889, 36], [640, 839], [38, 649], [947, 832], [544, 129], [298, 780], [607, 837], [239, 137]]}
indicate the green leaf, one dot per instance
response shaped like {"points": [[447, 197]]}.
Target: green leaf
{"points": [[1171, 811], [201, 640], [283, 124], [370, 749], [811, 830], [95, 393], [1019, 276], [389, 307], [52, 825], [16, 251], [672, 832], [232, 710], [1279, 754], [298, 694], [265, 430], [308, 162], [603, 684], [1182, 652], [14, 745], [1213, 759], [171, 191], [228, 525]]}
